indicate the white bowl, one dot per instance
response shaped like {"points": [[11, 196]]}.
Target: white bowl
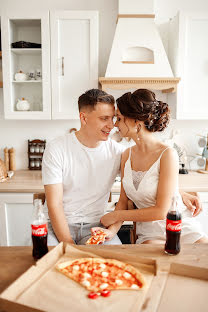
{"points": [[20, 77]]}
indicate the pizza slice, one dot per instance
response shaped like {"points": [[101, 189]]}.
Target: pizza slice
{"points": [[100, 276], [97, 238]]}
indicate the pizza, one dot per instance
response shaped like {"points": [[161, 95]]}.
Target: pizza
{"points": [[100, 276], [97, 238]]}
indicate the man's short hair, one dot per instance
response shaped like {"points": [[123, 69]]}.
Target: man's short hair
{"points": [[91, 97]]}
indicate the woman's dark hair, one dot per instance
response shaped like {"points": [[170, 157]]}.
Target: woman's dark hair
{"points": [[142, 105], [91, 97]]}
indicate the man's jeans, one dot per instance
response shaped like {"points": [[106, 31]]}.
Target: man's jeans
{"points": [[80, 232]]}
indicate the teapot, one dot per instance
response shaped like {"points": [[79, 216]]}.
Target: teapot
{"points": [[22, 105], [20, 76]]}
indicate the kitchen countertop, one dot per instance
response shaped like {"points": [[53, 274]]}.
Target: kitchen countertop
{"points": [[20, 259], [191, 182], [27, 181], [23, 181]]}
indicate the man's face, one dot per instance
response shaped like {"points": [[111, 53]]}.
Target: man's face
{"points": [[99, 122]]}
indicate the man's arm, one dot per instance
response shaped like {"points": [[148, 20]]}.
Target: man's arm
{"points": [[192, 202], [54, 197]]}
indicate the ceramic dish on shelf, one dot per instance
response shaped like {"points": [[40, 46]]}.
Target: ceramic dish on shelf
{"points": [[20, 76]]}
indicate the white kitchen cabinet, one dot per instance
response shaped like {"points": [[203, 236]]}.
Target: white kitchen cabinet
{"points": [[188, 51], [74, 59], [15, 219], [68, 59], [30, 28]]}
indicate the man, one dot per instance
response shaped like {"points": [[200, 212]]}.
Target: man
{"points": [[79, 170]]}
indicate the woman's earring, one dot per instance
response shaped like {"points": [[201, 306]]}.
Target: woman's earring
{"points": [[137, 131]]}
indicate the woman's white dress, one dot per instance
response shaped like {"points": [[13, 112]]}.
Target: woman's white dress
{"points": [[141, 188]]}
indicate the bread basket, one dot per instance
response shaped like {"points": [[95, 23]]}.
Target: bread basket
{"points": [[3, 171]]}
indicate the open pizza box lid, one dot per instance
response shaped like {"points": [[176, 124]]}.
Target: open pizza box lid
{"points": [[43, 288]]}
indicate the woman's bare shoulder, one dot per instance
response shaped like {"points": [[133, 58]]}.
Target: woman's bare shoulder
{"points": [[125, 155], [169, 154]]}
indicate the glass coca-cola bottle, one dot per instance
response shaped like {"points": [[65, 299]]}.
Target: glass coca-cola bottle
{"points": [[39, 227], [173, 229]]}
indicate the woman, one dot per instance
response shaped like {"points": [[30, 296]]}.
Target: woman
{"points": [[149, 172]]}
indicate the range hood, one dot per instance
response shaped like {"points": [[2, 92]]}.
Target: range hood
{"points": [[138, 58]]}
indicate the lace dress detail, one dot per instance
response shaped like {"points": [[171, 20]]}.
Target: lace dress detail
{"points": [[137, 177]]}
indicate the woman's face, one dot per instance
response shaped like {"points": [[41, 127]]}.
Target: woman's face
{"points": [[125, 125]]}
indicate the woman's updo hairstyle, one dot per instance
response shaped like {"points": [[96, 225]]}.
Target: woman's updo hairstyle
{"points": [[142, 105]]}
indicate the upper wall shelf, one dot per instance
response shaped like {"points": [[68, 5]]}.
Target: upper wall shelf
{"points": [[26, 51], [28, 81]]}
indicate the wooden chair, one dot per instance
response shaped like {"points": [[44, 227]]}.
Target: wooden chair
{"points": [[39, 196], [133, 235]]}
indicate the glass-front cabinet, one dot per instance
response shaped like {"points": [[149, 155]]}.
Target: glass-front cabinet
{"points": [[26, 67], [46, 66]]}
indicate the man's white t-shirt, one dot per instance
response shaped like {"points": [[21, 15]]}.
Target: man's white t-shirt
{"points": [[87, 175]]}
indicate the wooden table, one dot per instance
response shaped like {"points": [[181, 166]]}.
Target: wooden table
{"points": [[16, 260]]}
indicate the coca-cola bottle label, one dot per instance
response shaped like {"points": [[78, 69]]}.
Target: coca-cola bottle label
{"points": [[174, 226], [39, 230]]}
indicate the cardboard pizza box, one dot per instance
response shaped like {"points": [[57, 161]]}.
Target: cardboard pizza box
{"points": [[43, 288], [185, 289], [179, 288]]}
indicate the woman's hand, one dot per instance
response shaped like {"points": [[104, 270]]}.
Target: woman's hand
{"points": [[110, 234], [109, 219], [192, 203]]}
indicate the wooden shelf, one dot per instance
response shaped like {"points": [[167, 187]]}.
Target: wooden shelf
{"points": [[28, 81], [0, 54], [166, 85], [26, 51], [138, 62]]}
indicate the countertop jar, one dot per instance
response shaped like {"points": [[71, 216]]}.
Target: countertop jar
{"points": [[37, 163], [32, 163], [41, 149], [37, 149], [32, 149]]}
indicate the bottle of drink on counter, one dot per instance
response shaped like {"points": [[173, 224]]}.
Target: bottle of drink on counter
{"points": [[173, 229], [39, 227]]}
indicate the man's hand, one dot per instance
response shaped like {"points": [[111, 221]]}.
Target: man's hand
{"points": [[192, 202], [110, 234]]}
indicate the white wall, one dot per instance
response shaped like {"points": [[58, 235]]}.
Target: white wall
{"points": [[16, 133]]}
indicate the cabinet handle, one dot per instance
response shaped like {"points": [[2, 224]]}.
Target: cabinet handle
{"points": [[62, 66]]}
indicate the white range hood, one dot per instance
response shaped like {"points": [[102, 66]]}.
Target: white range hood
{"points": [[138, 58]]}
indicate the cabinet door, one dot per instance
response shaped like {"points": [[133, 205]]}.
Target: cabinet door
{"points": [[192, 60], [15, 219], [33, 88], [74, 59]]}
